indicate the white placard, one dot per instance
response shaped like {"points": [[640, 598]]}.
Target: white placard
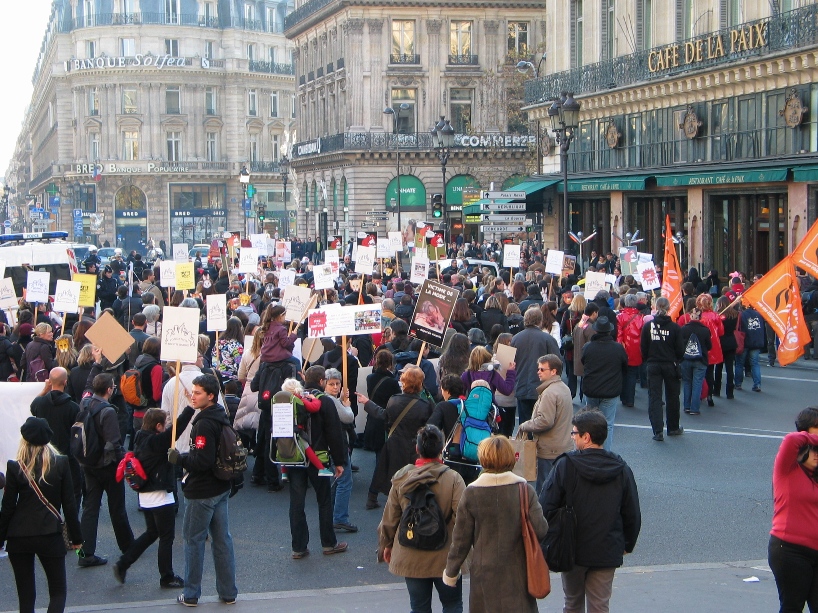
{"points": [[511, 256], [610, 279], [421, 255], [37, 286], [594, 283], [349, 321], [167, 274], [8, 297], [420, 271], [395, 241], [554, 261], [365, 261], [248, 260], [650, 280], [2, 268], [384, 250], [282, 420], [284, 251], [180, 253], [216, 312], [286, 278], [332, 258], [259, 242], [67, 296], [295, 299], [180, 334], [323, 277], [644, 258]]}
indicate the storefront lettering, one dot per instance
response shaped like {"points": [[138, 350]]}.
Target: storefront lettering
{"points": [[200, 213], [99, 63], [716, 180], [494, 140], [129, 214], [310, 147], [710, 47], [119, 169]]}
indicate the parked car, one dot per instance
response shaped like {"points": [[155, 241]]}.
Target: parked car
{"points": [[201, 249], [105, 254]]}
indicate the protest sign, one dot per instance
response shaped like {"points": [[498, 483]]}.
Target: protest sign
{"points": [[420, 271], [283, 251], [66, 296], [216, 312], [437, 244], [88, 289], [167, 274], [344, 321], [180, 334], [366, 260], [332, 258], [384, 250], [323, 277], [185, 279], [286, 278], [282, 414], [594, 282], [312, 349], [259, 243], [111, 337], [555, 262], [504, 356], [628, 259], [433, 312], [37, 286], [248, 260], [335, 242], [511, 256], [296, 300], [180, 253], [8, 296], [420, 236], [569, 264], [650, 280], [395, 241]]}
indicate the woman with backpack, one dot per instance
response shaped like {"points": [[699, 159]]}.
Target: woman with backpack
{"points": [[38, 358], [422, 569], [152, 380], [481, 368]]}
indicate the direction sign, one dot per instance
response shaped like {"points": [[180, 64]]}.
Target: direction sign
{"points": [[486, 195], [344, 225], [504, 206], [378, 214], [490, 229], [368, 224], [511, 218]]}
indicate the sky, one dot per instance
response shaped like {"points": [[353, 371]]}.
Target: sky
{"points": [[24, 25]]}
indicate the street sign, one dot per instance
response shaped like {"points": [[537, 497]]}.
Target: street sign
{"points": [[536, 227], [77, 213], [504, 206], [7, 223], [486, 195], [344, 225], [377, 214], [247, 204], [490, 229], [368, 224], [511, 218]]}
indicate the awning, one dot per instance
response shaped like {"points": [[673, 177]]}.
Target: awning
{"points": [[609, 184], [805, 173], [722, 178], [529, 187]]}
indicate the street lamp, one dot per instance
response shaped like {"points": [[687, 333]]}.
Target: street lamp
{"points": [[564, 115], [396, 131], [244, 179], [523, 66], [284, 168], [443, 140]]}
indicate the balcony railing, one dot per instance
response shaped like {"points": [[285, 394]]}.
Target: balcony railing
{"points": [[792, 30], [463, 60], [404, 58], [304, 11], [188, 19], [271, 67], [270, 167]]}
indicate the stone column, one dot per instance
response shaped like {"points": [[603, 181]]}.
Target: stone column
{"points": [[434, 64], [376, 80], [656, 231], [615, 225], [353, 30], [797, 216], [744, 259], [700, 236]]}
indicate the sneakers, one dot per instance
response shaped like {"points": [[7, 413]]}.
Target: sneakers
{"points": [[345, 526], [175, 582], [710, 402], [119, 572], [188, 602], [89, 561], [658, 437], [354, 468], [297, 555], [228, 600], [678, 432], [687, 410], [325, 472], [693, 412], [339, 548], [756, 389]]}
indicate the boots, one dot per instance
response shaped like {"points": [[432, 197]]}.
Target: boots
{"points": [[372, 501]]}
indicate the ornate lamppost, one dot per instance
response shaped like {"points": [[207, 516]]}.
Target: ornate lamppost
{"points": [[564, 115]]}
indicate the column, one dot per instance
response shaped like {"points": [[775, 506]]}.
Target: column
{"points": [[376, 80], [606, 226], [744, 260], [700, 236], [353, 30], [615, 224], [797, 217], [434, 64], [772, 235], [657, 221]]}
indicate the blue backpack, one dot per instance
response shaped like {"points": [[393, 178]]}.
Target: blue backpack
{"points": [[477, 409]]}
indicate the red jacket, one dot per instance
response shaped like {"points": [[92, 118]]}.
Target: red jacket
{"points": [[795, 495], [629, 334], [712, 320]]}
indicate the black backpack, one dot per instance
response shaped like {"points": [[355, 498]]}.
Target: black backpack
{"points": [[231, 456], [86, 442], [422, 524]]}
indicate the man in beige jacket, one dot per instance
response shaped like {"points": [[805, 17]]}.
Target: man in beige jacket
{"points": [[550, 422]]}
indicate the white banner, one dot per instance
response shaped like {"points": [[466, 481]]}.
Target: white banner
{"points": [[180, 334], [384, 249], [594, 283], [650, 280], [8, 297], [67, 296], [180, 253], [365, 261], [216, 312], [554, 262], [37, 286], [511, 256], [346, 321], [16, 408], [248, 260]]}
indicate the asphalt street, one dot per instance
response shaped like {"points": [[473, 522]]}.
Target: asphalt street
{"points": [[706, 511]]}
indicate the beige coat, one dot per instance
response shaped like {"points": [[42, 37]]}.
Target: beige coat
{"points": [[489, 525], [448, 488], [582, 336], [551, 419]]}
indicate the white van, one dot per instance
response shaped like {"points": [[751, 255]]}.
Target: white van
{"points": [[40, 251]]}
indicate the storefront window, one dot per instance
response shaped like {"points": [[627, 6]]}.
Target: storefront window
{"points": [[131, 214], [197, 212]]}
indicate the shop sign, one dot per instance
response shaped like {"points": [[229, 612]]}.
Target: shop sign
{"points": [[309, 148], [199, 213], [494, 140], [690, 123], [131, 214], [137, 61], [793, 111], [125, 168]]}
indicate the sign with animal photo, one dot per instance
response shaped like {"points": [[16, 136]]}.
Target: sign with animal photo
{"points": [[366, 260], [436, 244], [88, 289], [628, 260], [433, 312], [37, 286], [332, 258], [511, 256], [594, 283], [167, 274], [216, 312], [296, 300], [335, 242], [420, 271], [344, 321], [8, 296], [66, 296], [185, 279], [180, 253], [248, 260], [569, 264], [323, 277], [180, 334], [650, 280], [555, 262], [283, 251]]}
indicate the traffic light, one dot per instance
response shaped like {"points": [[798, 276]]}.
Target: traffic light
{"points": [[262, 212], [251, 190], [437, 206]]}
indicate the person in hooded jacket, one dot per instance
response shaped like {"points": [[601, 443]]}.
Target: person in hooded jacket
{"points": [[695, 279], [7, 364], [106, 288], [629, 333], [153, 379], [606, 507], [42, 347], [694, 361]]}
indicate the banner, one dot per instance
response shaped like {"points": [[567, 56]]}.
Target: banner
{"points": [[167, 274], [420, 271], [344, 321], [806, 253], [395, 241], [554, 262], [8, 296], [185, 279], [433, 312], [511, 256], [180, 253], [672, 274], [180, 334], [650, 280], [296, 300], [777, 297], [216, 312], [88, 289], [594, 283], [66, 296], [366, 260], [37, 286]]}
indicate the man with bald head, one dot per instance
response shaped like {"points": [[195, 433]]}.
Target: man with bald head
{"points": [[60, 411]]}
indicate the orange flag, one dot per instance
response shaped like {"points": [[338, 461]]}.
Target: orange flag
{"points": [[777, 297], [672, 274], [806, 253]]}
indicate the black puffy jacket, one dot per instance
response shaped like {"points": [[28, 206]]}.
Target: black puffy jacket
{"points": [[605, 363]]}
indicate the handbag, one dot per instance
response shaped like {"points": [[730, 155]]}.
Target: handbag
{"points": [[66, 539], [740, 336], [538, 578], [559, 544], [567, 341]]}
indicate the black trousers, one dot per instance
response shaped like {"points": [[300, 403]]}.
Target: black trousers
{"points": [[729, 367], [264, 467], [23, 566], [795, 569], [667, 374], [100, 481], [160, 523]]}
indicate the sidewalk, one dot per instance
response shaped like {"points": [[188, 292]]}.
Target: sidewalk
{"points": [[676, 588]]}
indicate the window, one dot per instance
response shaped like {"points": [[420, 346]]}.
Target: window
{"points": [[127, 47], [276, 148], [127, 6], [129, 100], [646, 24], [460, 38], [274, 104], [51, 113], [577, 33], [93, 101], [461, 105], [254, 147], [252, 103], [208, 13], [518, 38], [688, 18], [734, 12], [404, 118], [292, 106], [786, 5], [174, 140], [403, 38], [272, 19], [93, 146], [208, 49], [272, 53], [610, 34], [212, 147], [88, 12], [130, 150], [249, 12], [173, 103], [91, 48], [172, 11], [251, 52], [210, 100], [172, 47]]}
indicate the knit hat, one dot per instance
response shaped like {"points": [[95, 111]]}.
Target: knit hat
{"points": [[26, 329], [108, 269], [36, 431]]}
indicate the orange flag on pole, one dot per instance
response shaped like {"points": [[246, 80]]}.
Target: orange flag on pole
{"points": [[672, 274], [777, 297], [806, 253]]}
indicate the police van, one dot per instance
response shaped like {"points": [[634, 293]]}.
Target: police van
{"points": [[39, 251]]}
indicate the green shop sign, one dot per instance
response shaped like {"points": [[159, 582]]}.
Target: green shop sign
{"points": [[412, 193], [455, 187]]}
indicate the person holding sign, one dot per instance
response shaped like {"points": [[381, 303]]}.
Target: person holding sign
{"points": [[278, 342]]}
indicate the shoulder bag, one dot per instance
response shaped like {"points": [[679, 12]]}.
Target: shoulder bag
{"points": [[559, 545], [66, 539], [539, 580], [401, 416]]}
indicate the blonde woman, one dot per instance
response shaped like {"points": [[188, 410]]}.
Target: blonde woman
{"points": [[31, 524], [38, 359]]}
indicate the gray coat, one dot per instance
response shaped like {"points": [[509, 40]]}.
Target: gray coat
{"points": [[531, 344]]}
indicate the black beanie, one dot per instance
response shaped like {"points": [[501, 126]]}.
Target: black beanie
{"points": [[36, 431]]}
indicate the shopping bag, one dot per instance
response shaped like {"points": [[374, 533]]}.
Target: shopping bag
{"points": [[525, 452]]}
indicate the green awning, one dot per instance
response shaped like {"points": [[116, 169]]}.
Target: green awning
{"points": [[610, 184], [805, 173], [722, 178], [529, 187]]}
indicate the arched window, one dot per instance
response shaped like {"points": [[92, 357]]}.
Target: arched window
{"points": [[130, 198]]}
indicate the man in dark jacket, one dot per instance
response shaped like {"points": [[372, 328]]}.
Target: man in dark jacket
{"points": [[327, 437], [606, 506], [605, 362], [125, 306], [101, 477], [206, 510], [106, 288], [531, 344], [662, 350], [694, 360], [605, 310], [755, 340]]}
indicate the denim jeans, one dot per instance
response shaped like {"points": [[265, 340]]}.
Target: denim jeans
{"points": [[543, 468], [755, 368], [299, 530], [99, 481], [341, 491], [205, 515], [420, 595], [608, 408], [693, 372], [629, 385]]}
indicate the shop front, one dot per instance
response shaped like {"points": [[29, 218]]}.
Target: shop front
{"points": [[455, 188], [198, 212], [131, 219]]}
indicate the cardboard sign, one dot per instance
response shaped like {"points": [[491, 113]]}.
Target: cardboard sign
{"points": [[66, 296], [110, 337], [284, 251], [554, 262], [511, 256], [504, 356], [282, 420], [421, 255], [344, 321], [37, 286], [259, 242], [335, 242], [433, 312], [395, 241], [248, 260], [296, 300], [185, 279], [180, 253], [216, 312], [650, 280], [312, 349], [384, 251], [594, 283], [366, 260], [88, 289], [420, 237], [420, 271], [436, 244], [180, 334], [8, 297], [286, 278], [323, 277], [167, 274]]}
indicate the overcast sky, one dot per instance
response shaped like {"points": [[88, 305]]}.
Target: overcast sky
{"points": [[23, 28]]}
